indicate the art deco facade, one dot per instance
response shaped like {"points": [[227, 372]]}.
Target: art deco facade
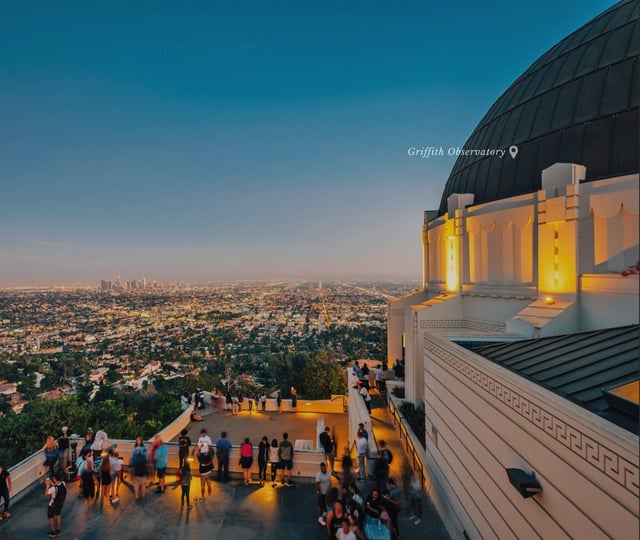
{"points": [[522, 251]]}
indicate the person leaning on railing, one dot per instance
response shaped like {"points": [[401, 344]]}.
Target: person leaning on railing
{"points": [[51, 454]]}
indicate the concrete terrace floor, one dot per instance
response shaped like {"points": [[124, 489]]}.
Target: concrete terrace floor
{"points": [[234, 511]]}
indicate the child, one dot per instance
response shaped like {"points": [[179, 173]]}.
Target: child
{"points": [[185, 483]]}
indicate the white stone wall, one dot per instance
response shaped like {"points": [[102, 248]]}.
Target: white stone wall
{"points": [[482, 419]]}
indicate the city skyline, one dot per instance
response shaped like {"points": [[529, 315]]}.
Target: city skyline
{"points": [[220, 141]]}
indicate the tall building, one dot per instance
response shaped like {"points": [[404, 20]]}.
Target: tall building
{"points": [[523, 343], [105, 285]]}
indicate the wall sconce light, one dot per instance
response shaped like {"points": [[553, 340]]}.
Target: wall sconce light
{"points": [[525, 483], [549, 300]]}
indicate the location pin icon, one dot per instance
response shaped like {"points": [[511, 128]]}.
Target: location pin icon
{"points": [[513, 150]]}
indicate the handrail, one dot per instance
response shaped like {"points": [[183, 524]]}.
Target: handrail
{"points": [[406, 432]]}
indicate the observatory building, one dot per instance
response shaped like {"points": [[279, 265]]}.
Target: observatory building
{"points": [[523, 342]]}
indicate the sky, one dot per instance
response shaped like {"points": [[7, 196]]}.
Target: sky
{"points": [[207, 141]]}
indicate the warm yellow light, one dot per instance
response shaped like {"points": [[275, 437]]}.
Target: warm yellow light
{"points": [[452, 264], [549, 300]]}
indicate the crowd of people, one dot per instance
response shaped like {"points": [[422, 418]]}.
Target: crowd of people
{"points": [[347, 514], [277, 456], [344, 509], [234, 402]]}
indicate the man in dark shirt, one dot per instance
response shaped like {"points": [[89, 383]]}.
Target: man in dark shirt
{"points": [[329, 448], [184, 443]]}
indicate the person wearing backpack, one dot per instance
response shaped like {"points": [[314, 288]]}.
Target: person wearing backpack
{"points": [[223, 450], [382, 466], [56, 490]]}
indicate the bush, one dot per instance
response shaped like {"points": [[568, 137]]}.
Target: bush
{"points": [[415, 418], [398, 392]]}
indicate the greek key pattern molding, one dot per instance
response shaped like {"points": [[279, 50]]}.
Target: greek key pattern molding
{"points": [[604, 459], [396, 312], [480, 326]]}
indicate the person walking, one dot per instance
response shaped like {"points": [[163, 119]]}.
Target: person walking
{"points": [[223, 451], [263, 402], [294, 399], [263, 458], [274, 460], [367, 398], [334, 520], [5, 491], [116, 475], [348, 475], [382, 466], [105, 477], [323, 485], [285, 453], [415, 499], [279, 401], [246, 460], [392, 504], [235, 404]]}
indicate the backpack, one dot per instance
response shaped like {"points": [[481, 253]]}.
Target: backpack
{"points": [[387, 455], [61, 494], [381, 466]]}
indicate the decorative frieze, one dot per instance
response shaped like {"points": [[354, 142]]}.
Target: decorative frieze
{"points": [[480, 326], [593, 452]]}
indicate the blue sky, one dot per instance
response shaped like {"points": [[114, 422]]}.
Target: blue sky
{"points": [[208, 141]]}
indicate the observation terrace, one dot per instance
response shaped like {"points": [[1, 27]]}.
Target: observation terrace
{"points": [[233, 511]]}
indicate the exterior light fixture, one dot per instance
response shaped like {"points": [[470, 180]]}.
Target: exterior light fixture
{"points": [[549, 300], [525, 483]]}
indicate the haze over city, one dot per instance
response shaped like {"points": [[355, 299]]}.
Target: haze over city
{"points": [[250, 140]]}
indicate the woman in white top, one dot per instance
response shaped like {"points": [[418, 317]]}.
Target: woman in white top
{"points": [[274, 458]]}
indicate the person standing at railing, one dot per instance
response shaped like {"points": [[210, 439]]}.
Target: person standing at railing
{"points": [[64, 448], [263, 458], [139, 468], [160, 461], [274, 460], [246, 459], [328, 445], [51, 454], [5, 489], [100, 440], [362, 447], [184, 443]]}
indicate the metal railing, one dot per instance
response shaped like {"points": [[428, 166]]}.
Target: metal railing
{"points": [[414, 452]]}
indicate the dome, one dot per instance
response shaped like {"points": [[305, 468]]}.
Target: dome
{"points": [[578, 103]]}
